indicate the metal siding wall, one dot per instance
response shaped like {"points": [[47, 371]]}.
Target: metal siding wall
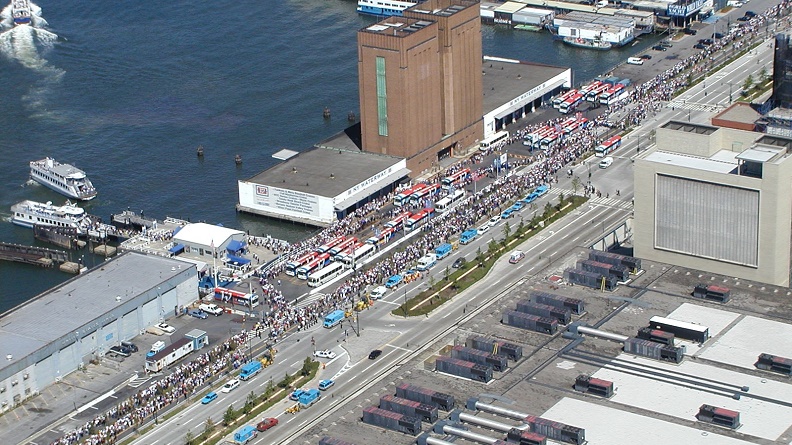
{"points": [[129, 325], [707, 220], [150, 313]]}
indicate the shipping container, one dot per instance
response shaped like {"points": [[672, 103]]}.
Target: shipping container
{"points": [[390, 420], [530, 322], [656, 335], [556, 430], [590, 279], [563, 315], [590, 385], [462, 368], [655, 351], [428, 396], [425, 412], [525, 437], [497, 362], [718, 416], [573, 304], [680, 329], [333, 441], [621, 273], [773, 363], [712, 292], [497, 347], [634, 264]]}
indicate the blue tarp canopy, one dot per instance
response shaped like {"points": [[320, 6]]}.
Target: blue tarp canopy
{"points": [[238, 260], [235, 246], [177, 249]]}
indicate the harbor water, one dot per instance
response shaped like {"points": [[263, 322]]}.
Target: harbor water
{"points": [[128, 90]]}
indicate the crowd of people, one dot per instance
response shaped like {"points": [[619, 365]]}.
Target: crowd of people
{"points": [[284, 315]]}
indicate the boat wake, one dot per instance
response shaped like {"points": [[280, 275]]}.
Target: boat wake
{"points": [[23, 42]]}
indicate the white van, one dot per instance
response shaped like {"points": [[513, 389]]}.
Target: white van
{"points": [[230, 386], [635, 61], [378, 292], [606, 162], [211, 308]]}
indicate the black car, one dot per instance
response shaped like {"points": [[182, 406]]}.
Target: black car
{"points": [[706, 41], [699, 46], [659, 48], [750, 14], [374, 354], [459, 263], [744, 18], [129, 346], [689, 31], [120, 350], [645, 56], [717, 35]]}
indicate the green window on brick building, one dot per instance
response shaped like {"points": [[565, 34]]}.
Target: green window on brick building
{"points": [[382, 98]]}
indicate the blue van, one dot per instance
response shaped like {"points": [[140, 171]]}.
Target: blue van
{"points": [[393, 281]]}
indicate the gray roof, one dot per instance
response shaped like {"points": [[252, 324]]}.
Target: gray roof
{"points": [[69, 307], [503, 81], [694, 162], [690, 127], [310, 171]]}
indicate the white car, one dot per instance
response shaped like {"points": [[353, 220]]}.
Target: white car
{"points": [[494, 220], [230, 386], [484, 228], [635, 61], [165, 327], [325, 354], [378, 292], [211, 309]]}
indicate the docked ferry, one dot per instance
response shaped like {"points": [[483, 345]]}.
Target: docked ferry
{"points": [[21, 12], [600, 45], [384, 7], [29, 213], [63, 178]]}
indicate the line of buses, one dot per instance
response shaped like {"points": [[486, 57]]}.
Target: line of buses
{"points": [[417, 194], [596, 92], [548, 136]]}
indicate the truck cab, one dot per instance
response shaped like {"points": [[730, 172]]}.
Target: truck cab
{"points": [[393, 281]]}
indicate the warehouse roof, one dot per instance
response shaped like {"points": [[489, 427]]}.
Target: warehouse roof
{"points": [[79, 306], [505, 79]]}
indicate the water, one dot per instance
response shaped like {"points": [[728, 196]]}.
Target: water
{"points": [[128, 90]]}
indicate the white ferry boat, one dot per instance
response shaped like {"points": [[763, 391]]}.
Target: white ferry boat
{"points": [[63, 178], [384, 7], [28, 213], [21, 12]]}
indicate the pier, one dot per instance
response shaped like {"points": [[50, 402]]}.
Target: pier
{"points": [[39, 256]]}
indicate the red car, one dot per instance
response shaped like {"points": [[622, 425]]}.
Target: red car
{"points": [[267, 423]]}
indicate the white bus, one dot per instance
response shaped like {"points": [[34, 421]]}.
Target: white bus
{"points": [[493, 139], [325, 274], [449, 201], [360, 254]]}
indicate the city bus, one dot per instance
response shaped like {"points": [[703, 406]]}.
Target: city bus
{"points": [[382, 236], [613, 95], [449, 201], [455, 179], [536, 137], [235, 297], [593, 94], [609, 145], [418, 198], [358, 254], [330, 244], [493, 140], [317, 263], [404, 196], [338, 248], [417, 217], [550, 140], [292, 266], [396, 223], [348, 251], [325, 274], [561, 98], [570, 104]]}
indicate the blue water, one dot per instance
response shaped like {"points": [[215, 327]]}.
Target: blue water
{"points": [[127, 90]]}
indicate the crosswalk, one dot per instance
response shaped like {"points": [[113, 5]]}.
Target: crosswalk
{"points": [[306, 300], [615, 202], [693, 106]]}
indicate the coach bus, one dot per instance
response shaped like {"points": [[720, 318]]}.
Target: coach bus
{"points": [[404, 196], [235, 297], [398, 222], [417, 217], [608, 146], [449, 201], [418, 197], [382, 237], [292, 266], [493, 140], [570, 104], [455, 179], [317, 263], [560, 99], [358, 254], [338, 248], [330, 244], [325, 274]]}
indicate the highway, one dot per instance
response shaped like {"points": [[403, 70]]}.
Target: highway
{"points": [[403, 339]]}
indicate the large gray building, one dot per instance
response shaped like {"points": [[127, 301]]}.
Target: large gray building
{"points": [[64, 328], [716, 199]]}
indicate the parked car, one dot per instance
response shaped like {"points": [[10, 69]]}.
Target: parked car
{"points": [[130, 346], [266, 423], [324, 384], [750, 14], [231, 385], [295, 395], [325, 354], [689, 31], [209, 398], [699, 46], [459, 262], [706, 41], [374, 354], [635, 61], [197, 313], [717, 35], [744, 18], [165, 327], [659, 48], [211, 309], [117, 349], [645, 56]]}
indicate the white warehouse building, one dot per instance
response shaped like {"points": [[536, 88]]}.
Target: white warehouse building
{"points": [[127, 294]]}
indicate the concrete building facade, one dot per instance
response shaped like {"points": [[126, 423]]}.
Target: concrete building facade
{"points": [[420, 82], [716, 199], [85, 316]]}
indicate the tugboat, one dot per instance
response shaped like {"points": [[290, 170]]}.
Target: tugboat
{"points": [[65, 179]]}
